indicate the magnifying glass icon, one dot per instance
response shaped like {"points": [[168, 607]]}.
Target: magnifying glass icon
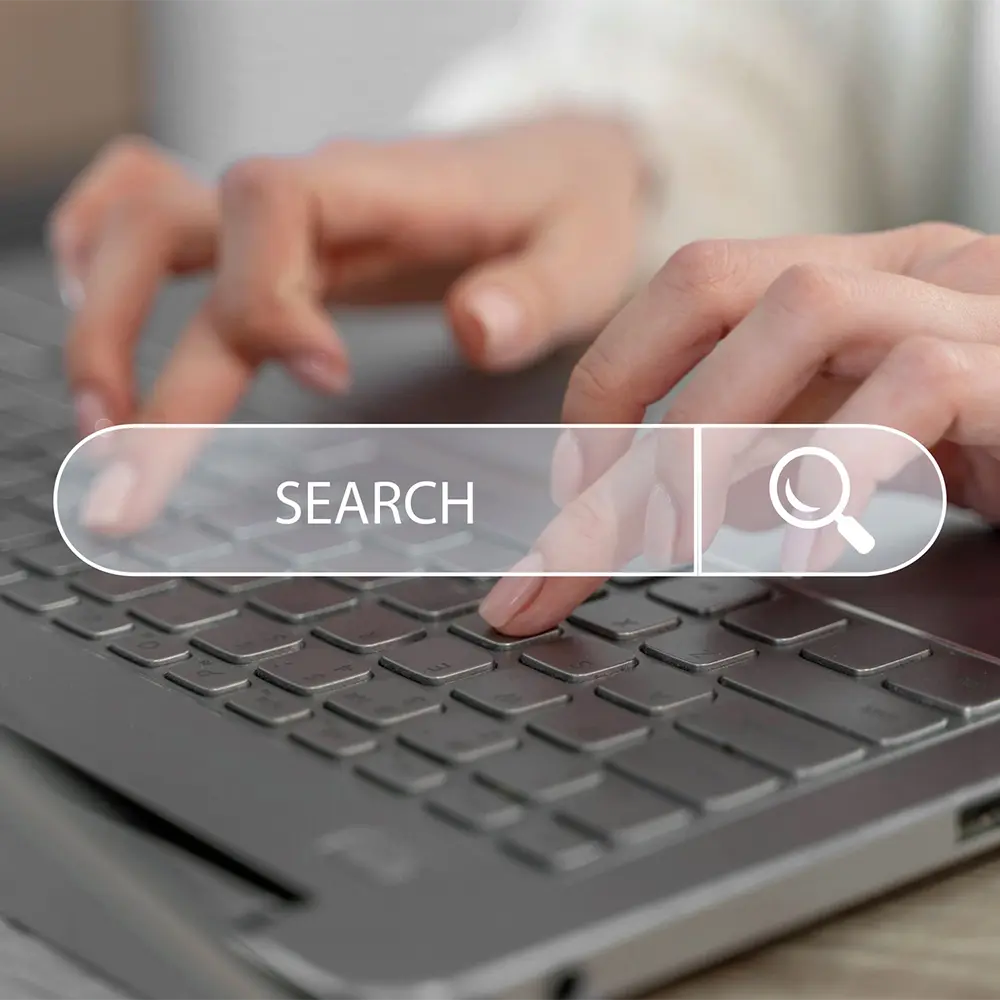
{"points": [[850, 528]]}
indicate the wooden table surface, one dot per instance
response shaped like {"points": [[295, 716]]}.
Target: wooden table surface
{"points": [[938, 939]]}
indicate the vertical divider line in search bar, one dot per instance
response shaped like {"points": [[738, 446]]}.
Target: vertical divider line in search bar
{"points": [[696, 453]]}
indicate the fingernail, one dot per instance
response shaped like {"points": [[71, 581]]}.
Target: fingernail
{"points": [[91, 413], [513, 594], [320, 372], [660, 528], [797, 549], [70, 289], [108, 498], [567, 469], [501, 318]]}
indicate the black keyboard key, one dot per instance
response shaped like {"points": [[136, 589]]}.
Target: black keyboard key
{"points": [[622, 813], [866, 648], [402, 771], [700, 647], [384, 702], [111, 589], [247, 638], [654, 690], [576, 658], [785, 742], [17, 530], [473, 628], [475, 807], [537, 773], [315, 669], [856, 709], [511, 692], [333, 737], [434, 598], [551, 846], [182, 608], [38, 595], [695, 773], [364, 584], [368, 628], [56, 559], [459, 737], [589, 724], [151, 649], [269, 707], [786, 620], [438, 660], [958, 684], [93, 621], [708, 597], [302, 599], [206, 676], [624, 616]]}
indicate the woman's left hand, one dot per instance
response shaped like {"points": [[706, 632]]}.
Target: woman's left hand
{"points": [[899, 328]]}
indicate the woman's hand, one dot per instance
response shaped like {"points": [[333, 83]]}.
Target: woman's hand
{"points": [[528, 232], [899, 328]]}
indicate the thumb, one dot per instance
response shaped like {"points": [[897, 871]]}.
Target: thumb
{"points": [[513, 309]]}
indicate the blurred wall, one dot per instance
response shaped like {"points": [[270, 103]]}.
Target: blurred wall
{"points": [[68, 80], [229, 78]]}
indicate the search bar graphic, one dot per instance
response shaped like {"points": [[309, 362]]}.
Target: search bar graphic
{"points": [[488, 501]]}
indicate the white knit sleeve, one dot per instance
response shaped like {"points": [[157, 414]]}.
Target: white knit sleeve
{"points": [[743, 118]]}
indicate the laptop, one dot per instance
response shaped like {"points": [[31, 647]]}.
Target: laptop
{"points": [[742, 757]]}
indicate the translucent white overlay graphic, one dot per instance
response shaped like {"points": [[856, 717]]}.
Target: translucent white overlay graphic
{"points": [[474, 501]]}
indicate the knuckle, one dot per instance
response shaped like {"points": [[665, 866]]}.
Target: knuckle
{"points": [[805, 291], [702, 267], [935, 233], [927, 363], [251, 317]]}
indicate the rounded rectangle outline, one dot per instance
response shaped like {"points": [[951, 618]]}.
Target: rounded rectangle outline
{"points": [[416, 574]]}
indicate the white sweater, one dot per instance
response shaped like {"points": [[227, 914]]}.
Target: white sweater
{"points": [[760, 116]]}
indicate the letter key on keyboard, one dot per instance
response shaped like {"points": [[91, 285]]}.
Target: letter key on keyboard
{"points": [[207, 676], [551, 846], [577, 658], [384, 702], [434, 598], [473, 628], [865, 648], [94, 621], [624, 616], [538, 773], [249, 637], [700, 647], [438, 660], [183, 608], [316, 668], [786, 620], [401, 771], [652, 690], [959, 684], [708, 597], [40, 595], [622, 813], [111, 589], [511, 691], [459, 736], [694, 773], [334, 737], [269, 707], [817, 693], [786, 742], [475, 806], [368, 628], [588, 723], [151, 649], [302, 599]]}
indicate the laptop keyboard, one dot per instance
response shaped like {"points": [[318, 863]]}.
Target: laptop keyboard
{"points": [[658, 707]]}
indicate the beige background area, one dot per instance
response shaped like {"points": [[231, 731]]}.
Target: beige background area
{"points": [[68, 80]]}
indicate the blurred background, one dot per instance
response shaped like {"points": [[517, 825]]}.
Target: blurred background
{"points": [[212, 79]]}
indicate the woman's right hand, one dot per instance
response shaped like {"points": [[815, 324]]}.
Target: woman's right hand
{"points": [[528, 232]]}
